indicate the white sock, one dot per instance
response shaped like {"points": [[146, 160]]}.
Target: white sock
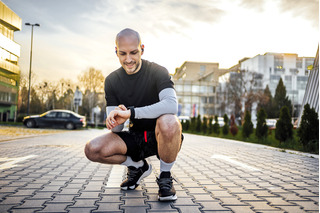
{"points": [[130, 162], [165, 167]]}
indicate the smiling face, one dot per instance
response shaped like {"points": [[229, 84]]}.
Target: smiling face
{"points": [[129, 51]]}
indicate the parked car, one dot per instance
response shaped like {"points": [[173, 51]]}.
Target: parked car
{"points": [[271, 123], [55, 118], [220, 121]]}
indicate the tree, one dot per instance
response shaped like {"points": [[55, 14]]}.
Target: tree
{"points": [[262, 128], [233, 126], [92, 83], [247, 128], [281, 99], [265, 102], [308, 131], [225, 128], [284, 125], [198, 124], [216, 127], [210, 126], [204, 126]]}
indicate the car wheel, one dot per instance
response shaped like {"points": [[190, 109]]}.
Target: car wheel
{"points": [[70, 126], [30, 124]]}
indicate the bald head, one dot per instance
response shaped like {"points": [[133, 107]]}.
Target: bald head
{"points": [[128, 33]]}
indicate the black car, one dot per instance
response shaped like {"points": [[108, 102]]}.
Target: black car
{"points": [[56, 118]]}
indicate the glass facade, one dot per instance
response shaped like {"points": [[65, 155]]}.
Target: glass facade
{"points": [[9, 69]]}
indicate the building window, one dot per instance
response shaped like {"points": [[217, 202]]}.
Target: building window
{"points": [[299, 62], [195, 89], [288, 82], [179, 88], [187, 88], [302, 82]]}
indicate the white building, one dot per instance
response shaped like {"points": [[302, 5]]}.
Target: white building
{"points": [[270, 67]]}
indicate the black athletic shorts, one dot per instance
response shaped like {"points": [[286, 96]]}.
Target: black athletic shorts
{"points": [[140, 145]]}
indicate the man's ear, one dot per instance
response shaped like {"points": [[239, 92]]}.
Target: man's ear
{"points": [[116, 50], [142, 48]]}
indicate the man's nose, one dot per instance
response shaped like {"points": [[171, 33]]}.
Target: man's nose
{"points": [[128, 59]]}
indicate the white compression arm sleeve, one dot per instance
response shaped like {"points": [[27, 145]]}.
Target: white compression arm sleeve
{"points": [[168, 104]]}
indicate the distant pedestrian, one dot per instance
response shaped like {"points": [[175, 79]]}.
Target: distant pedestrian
{"points": [[143, 92]]}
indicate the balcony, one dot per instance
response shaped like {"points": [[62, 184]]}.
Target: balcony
{"points": [[9, 67]]}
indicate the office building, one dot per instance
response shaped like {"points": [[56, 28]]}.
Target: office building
{"points": [[9, 69], [195, 84]]}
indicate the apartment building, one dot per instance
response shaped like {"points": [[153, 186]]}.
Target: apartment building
{"points": [[9, 69]]}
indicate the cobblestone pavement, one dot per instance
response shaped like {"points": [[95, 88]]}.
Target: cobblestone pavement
{"points": [[50, 173]]}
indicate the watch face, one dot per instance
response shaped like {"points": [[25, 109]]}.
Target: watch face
{"points": [[130, 124]]}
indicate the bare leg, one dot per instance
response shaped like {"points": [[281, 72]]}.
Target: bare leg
{"points": [[108, 148], [168, 134]]}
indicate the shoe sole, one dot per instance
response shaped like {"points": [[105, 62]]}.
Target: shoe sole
{"points": [[168, 198], [145, 174]]}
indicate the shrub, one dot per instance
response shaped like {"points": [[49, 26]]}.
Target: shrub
{"points": [[225, 129], [284, 125], [233, 127], [192, 126], [308, 131], [247, 129], [262, 128], [216, 127]]}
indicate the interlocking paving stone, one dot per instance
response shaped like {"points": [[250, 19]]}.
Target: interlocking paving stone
{"points": [[57, 207], [61, 179], [62, 199], [85, 203], [133, 202], [188, 209], [308, 205], [241, 209], [295, 209], [108, 207], [262, 206], [12, 200], [163, 206], [80, 210], [31, 204], [213, 206]]}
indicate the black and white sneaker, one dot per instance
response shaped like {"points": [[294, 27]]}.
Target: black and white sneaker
{"points": [[135, 175], [166, 188]]}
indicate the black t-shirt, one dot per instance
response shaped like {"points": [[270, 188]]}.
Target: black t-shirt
{"points": [[137, 90]]}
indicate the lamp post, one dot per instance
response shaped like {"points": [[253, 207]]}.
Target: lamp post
{"points": [[32, 25]]}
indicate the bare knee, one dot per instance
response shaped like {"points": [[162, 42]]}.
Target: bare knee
{"points": [[168, 125], [101, 148], [92, 150]]}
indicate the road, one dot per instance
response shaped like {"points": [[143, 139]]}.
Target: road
{"points": [[50, 173]]}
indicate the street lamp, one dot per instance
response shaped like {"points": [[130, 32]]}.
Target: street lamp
{"points": [[32, 25]]}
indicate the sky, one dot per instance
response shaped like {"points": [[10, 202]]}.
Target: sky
{"points": [[75, 35]]}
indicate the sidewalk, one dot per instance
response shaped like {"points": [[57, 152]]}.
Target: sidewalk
{"points": [[51, 174]]}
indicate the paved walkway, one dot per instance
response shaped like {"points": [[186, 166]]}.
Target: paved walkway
{"points": [[51, 174]]}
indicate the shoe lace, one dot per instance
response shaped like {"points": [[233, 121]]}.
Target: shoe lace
{"points": [[165, 183], [132, 174]]}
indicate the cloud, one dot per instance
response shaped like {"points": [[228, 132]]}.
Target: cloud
{"points": [[308, 9]]}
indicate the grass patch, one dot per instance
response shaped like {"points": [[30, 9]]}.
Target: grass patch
{"points": [[270, 140]]}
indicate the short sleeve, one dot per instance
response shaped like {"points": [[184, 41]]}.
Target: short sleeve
{"points": [[109, 93], [164, 80]]}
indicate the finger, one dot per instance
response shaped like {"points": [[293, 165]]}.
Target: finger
{"points": [[122, 107]]}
